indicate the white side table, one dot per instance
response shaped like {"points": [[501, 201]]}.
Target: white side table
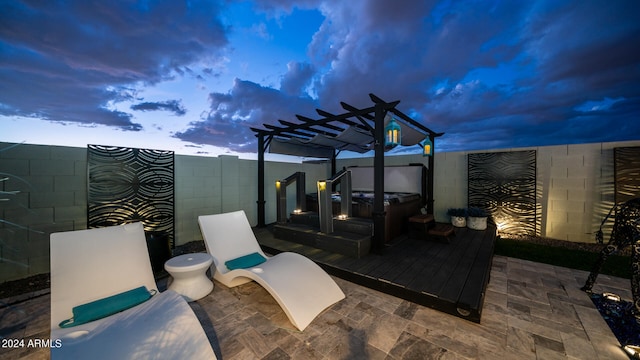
{"points": [[189, 275]]}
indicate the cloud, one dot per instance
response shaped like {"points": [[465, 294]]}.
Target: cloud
{"points": [[297, 78], [174, 106], [60, 58], [232, 114], [558, 57], [401, 51], [505, 75]]}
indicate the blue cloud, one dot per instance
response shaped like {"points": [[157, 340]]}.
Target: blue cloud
{"points": [[174, 106]]}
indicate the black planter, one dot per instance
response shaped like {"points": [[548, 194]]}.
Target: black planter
{"points": [[159, 250]]}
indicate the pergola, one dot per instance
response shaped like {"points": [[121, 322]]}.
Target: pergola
{"points": [[359, 130]]}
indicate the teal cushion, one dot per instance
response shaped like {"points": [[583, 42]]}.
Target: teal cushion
{"points": [[246, 261], [102, 308]]}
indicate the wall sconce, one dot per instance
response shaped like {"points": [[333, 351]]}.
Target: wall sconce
{"points": [[297, 211], [427, 147], [393, 133], [342, 217]]}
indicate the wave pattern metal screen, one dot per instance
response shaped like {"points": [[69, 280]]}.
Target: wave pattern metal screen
{"points": [[504, 183], [128, 184], [627, 173]]}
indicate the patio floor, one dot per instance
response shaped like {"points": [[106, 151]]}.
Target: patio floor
{"points": [[531, 311]]}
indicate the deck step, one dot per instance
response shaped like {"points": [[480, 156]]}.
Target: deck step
{"points": [[419, 226], [442, 232], [339, 242], [352, 225]]}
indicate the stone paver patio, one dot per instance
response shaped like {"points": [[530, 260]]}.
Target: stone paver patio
{"points": [[531, 311]]}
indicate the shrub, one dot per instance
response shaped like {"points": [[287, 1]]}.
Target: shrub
{"points": [[459, 212], [477, 212]]}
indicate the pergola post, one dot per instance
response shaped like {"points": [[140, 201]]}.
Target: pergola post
{"points": [[378, 180], [430, 176], [261, 201]]}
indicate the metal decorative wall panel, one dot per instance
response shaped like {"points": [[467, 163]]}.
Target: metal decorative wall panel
{"points": [[504, 183], [128, 184], [627, 173]]}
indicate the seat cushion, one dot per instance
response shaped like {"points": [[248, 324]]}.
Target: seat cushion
{"points": [[245, 261], [102, 308]]}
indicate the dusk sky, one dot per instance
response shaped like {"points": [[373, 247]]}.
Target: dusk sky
{"points": [[194, 76]]}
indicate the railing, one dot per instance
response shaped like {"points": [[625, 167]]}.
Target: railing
{"points": [[325, 209], [281, 195]]}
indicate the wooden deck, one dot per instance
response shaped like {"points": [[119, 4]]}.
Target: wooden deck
{"points": [[451, 278]]}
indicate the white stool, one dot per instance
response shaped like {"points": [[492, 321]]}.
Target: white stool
{"points": [[189, 275]]}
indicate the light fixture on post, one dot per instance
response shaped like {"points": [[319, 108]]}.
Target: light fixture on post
{"points": [[427, 147], [393, 134]]}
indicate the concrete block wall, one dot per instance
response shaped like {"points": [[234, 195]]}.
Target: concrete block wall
{"points": [[576, 189], [51, 186], [574, 185], [51, 182], [278, 171], [211, 185], [198, 191]]}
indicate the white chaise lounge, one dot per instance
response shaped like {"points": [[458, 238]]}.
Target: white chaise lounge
{"points": [[301, 288], [88, 265]]}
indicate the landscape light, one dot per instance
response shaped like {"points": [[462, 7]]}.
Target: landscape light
{"points": [[611, 296], [632, 350]]}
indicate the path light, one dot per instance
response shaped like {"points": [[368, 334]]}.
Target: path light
{"points": [[632, 350], [393, 133], [611, 296]]}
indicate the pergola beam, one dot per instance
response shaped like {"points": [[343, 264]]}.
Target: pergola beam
{"points": [[328, 126], [310, 129]]}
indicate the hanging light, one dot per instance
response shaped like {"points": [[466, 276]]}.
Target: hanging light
{"points": [[427, 147], [392, 133]]}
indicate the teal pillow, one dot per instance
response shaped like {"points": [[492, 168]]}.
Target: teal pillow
{"points": [[102, 308], [245, 261]]}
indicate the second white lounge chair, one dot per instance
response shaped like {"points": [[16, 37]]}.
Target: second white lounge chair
{"points": [[301, 288]]}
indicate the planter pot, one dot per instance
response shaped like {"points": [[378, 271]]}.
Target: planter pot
{"points": [[477, 223], [159, 250], [458, 221]]}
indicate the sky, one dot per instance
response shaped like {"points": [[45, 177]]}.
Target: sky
{"points": [[195, 76]]}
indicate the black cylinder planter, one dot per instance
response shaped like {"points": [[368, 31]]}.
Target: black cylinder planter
{"points": [[159, 250]]}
